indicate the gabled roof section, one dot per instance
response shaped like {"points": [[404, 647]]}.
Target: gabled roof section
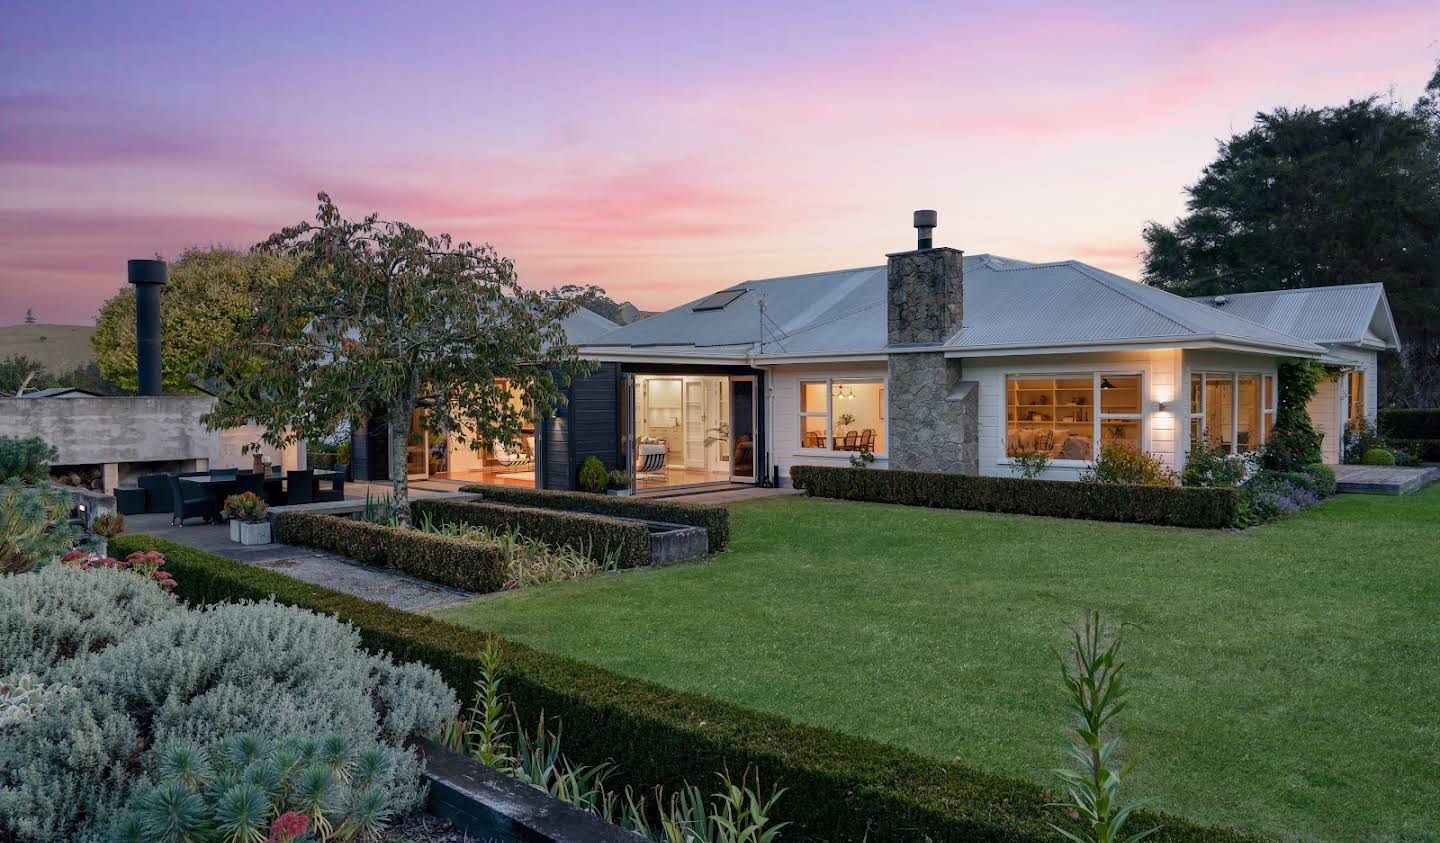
{"points": [[1344, 314], [584, 325]]}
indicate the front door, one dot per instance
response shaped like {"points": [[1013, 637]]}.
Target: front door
{"points": [[742, 430]]}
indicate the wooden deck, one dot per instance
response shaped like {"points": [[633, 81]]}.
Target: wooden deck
{"points": [[1382, 479]]}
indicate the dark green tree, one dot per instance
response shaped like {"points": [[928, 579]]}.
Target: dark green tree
{"points": [[1313, 197], [381, 316]]}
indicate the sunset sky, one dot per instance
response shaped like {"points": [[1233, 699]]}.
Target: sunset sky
{"points": [[659, 150]]}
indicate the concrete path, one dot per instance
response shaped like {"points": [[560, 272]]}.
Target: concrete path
{"points": [[1382, 479], [303, 563]]}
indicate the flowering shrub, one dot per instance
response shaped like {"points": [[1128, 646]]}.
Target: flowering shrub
{"points": [[245, 507], [1214, 465], [1120, 462], [148, 564], [1272, 494]]}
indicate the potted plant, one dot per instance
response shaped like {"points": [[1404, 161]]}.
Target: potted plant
{"points": [[106, 526], [248, 524], [845, 420], [593, 477], [619, 484]]}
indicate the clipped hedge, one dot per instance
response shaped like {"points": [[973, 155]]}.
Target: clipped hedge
{"points": [[1397, 423], [1173, 506], [1428, 450], [592, 535], [838, 787], [715, 519], [445, 560]]}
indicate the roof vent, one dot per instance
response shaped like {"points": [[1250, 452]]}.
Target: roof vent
{"points": [[1220, 301], [718, 301], [925, 228]]}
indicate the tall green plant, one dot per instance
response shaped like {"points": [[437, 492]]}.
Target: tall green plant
{"points": [[1094, 678], [25, 458], [1294, 443]]}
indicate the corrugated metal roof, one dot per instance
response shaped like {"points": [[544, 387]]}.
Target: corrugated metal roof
{"points": [[1344, 313], [1007, 303], [585, 325]]}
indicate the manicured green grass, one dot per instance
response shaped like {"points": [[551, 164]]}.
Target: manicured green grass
{"points": [[1285, 679]]}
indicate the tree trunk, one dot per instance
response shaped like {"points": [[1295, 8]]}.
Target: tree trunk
{"points": [[398, 414]]}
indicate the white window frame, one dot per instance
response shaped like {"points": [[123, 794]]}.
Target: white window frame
{"points": [[1096, 377], [1268, 396], [829, 414]]}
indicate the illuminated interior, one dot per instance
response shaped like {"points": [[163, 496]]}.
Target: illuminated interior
{"points": [[692, 429], [843, 415], [1058, 415], [1232, 411], [451, 459]]}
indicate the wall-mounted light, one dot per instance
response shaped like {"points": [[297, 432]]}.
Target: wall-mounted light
{"points": [[1162, 406]]}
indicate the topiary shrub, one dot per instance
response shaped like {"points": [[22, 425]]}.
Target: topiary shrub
{"points": [[1378, 456], [25, 458], [593, 476], [165, 673]]}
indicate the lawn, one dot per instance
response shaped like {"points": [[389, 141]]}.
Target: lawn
{"points": [[1285, 679]]}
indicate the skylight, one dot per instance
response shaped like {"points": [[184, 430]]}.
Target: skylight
{"points": [[719, 300]]}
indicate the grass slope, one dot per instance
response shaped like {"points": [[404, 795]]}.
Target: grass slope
{"points": [[59, 347], [1284, 678]]}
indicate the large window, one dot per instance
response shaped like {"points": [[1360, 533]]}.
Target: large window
{"points": [[1234, 411], [1065, 415], [843, 415]]}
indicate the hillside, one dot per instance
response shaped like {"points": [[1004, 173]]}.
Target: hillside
{"points": [[59, 347]]}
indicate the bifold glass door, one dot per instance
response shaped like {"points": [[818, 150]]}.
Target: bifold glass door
{"points": [[742, 429]]}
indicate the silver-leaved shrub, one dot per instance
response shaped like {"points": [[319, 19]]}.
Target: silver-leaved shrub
{"points": [[152, 673]]}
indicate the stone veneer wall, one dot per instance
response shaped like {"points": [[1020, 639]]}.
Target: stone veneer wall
{"points": [[925, 295], [934, 415]]}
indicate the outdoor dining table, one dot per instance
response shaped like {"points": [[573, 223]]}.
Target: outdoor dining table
{"points": [[219, 487]]}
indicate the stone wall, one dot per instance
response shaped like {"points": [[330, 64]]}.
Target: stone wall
{"points": [[934, 415], [925, 295]]}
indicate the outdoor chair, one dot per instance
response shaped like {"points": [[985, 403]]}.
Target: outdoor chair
{"points": [[188, 500], [336, 492], [157, 492], [342, 471], [299, 487], [251, 482]]}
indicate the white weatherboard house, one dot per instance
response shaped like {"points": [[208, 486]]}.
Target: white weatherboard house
{"points": [[943, 361]]}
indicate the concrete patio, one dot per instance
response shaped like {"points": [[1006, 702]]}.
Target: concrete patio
{"points": [[1382, 479]]}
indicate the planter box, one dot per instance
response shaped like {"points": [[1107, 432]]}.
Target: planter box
{"points": [[491, 806], [619, 493], [251, 534], [234, 529]]}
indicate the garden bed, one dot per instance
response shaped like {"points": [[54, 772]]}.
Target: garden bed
{"points": [[837, 787], [715, 520]]}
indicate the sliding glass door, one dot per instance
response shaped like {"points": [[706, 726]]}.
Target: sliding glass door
{"points": [[742, 429]]}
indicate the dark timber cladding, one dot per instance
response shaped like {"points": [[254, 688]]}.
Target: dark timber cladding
{"points": [[588, 424]]}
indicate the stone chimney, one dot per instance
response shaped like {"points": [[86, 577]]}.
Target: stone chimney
{"points": [[934, 415], [925, 290]]}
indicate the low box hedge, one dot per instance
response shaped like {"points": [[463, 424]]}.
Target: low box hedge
{"points": [[1174, 506], [715, 519], [837, 787], [458, 563], [592, 535], [1398, 423]]}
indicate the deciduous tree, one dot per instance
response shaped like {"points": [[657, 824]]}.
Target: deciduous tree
{"points": [[208, 296], [380, 316]]}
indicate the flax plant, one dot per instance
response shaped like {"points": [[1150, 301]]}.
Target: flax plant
{"points": [[1095, 679]]}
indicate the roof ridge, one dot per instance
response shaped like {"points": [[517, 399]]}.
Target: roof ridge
{"points": [[1114, 282]]}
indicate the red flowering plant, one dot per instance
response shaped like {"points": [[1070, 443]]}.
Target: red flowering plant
{"points": [[149, 564], [289, 827]]}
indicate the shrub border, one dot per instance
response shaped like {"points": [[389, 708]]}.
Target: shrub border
{"points": [[458, 563], [838, 787], [714, 518], [1409, 424], [582, 532], [1171, 506]]}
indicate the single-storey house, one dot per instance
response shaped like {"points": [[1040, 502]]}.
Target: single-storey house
{"points": [[935, 360], [938, 360]]}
